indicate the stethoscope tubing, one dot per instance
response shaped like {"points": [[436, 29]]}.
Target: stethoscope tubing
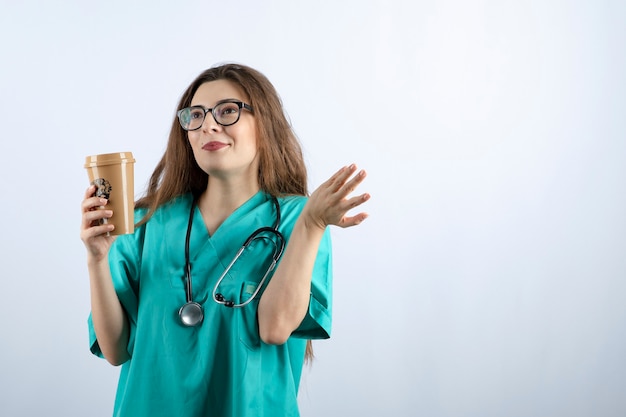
{"points": [[277, 254], [191, 313]]}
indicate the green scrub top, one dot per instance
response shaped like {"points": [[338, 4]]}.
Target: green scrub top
{"points": [[221, 367]]}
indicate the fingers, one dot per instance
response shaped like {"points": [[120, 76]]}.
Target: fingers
{"points": [[351, 185], [93, 209], [349, 221], [88, 236], [352, 220], [90, 191], [93, 203], [330, 202], [94, 215], [341, 184], [94, 229], [94, 223], [337, 201], [357, 201], [340, 177], [90, 202]]}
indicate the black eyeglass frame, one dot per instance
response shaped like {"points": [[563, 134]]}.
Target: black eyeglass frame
{"points": [[240, 105]]}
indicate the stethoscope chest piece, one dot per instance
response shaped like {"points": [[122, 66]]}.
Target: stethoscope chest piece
{"points": [[191, 314]]}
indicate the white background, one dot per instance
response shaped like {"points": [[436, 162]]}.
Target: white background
{"points": [[490, 278]]}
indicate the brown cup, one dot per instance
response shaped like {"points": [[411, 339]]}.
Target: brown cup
{"points": [[113, 175]]}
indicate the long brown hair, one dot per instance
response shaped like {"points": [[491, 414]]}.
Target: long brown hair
{"points": [[281, 165]]}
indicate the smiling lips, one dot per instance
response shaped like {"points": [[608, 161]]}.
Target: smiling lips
{"points": [[213, 146]]}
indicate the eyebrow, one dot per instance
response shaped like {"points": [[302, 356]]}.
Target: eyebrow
{"points": [[225, 100]]}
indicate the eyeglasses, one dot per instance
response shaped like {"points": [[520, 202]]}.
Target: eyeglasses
{"points": [[225, 113]]}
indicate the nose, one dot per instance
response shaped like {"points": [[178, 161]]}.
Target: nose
{"points": [[210, 124]]}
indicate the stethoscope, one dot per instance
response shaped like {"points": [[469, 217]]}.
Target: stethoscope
{"points": [[191, 313]]}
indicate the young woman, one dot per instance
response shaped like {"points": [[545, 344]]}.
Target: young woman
{"points": [[202, 327]]}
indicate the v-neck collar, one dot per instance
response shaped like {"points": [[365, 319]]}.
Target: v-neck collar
{"points": [[223, 237], [239, 213]]}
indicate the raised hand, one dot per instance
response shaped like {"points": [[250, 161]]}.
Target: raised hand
{"points": [[330, 202]]}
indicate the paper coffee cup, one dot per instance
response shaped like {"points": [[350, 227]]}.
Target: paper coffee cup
{"points": [[113, 175]]}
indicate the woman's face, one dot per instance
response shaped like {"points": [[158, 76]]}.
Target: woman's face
{"points": [[227, 152]]}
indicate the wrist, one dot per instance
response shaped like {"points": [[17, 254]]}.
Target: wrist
{"points": [[97, 261], [310, 223]]}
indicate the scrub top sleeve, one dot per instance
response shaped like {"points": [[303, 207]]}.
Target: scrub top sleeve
{"points": [[318, 320], [124, 262]]}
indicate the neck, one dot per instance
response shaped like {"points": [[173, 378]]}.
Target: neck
{"points": [[221, 198]]}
